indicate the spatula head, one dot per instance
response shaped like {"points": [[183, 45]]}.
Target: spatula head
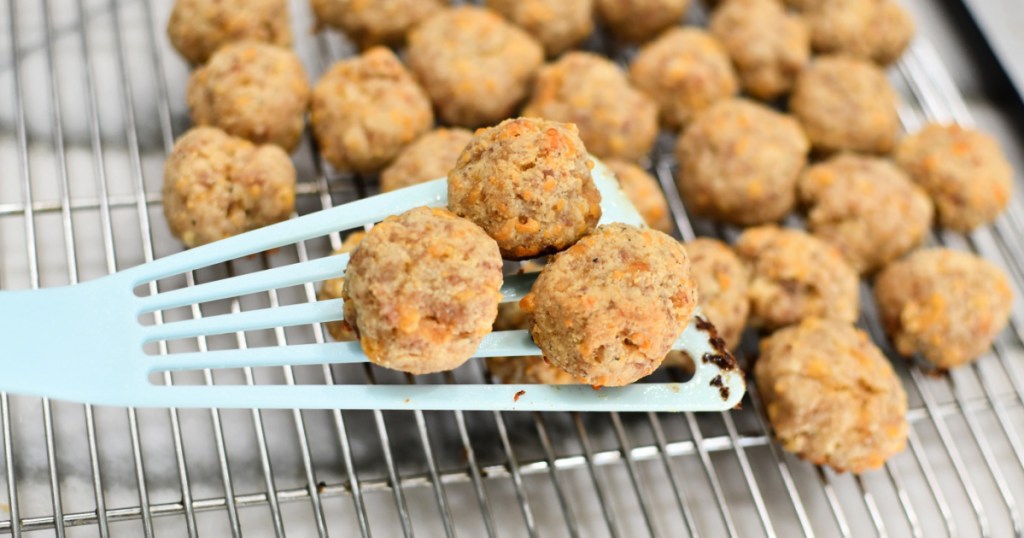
{"points": [[100, 358]]}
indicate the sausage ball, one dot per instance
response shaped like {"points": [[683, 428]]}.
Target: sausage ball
{"points": [[739, 162], [866, 207], [523, 370], [197, 28], [964, 171], [795, 276], [217, 185], [638, 21], [877, 30], [944, 304], [527, 183], [616, 121], [375, 22], [768, 46], [252, 90], [722, 285], [422, 290], [431, 156], [331, 289], [537, 370], [366, 109], [476, 67], [893, 30], [608, 310], [559, 26], [845, 104], [644, 192], [831, 396], [686, 70]]}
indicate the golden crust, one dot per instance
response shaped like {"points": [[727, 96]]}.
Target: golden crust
{"points": [[475, 66], [644, 192], [877, 30], [685, 70], [527, 183], [767, 45], [608, 309], [559, 26], [893, 28], [831, 396], [331, 289], [866, 207], [519, 370], [615, 120], [375, 22], [946, 305], [422, 290], [795, 276], [217, 185], [846, 104], [963, 170], [722, 280], [431, 156], [197, 28], [639, 21], [537, 370], [366, 109], [739, 162], [253, 90]]}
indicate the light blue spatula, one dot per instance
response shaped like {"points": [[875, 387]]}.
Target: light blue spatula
{"points": [[85, 343]]}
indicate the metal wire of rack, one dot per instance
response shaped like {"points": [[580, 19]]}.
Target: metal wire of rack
{"points": [[91, 102]]}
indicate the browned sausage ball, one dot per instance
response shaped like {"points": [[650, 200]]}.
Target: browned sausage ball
{"points": [[559, 26], [375, 22], [640, 20], [795, 276], [431, 156], [893, 30], [686, 70], [331, 289], [767, 45], [366, 109], [722, 280], [616, 121], [527, 183], [944, 304], [252, 90], [877, 30], [475, 66], [608, 309], [739, 162], [529, 370], [536, 369], [197, 28], [963, 170], [644, 192], [217, 185], [866, 207], [846, 104], [422, 290], [831, 396]]}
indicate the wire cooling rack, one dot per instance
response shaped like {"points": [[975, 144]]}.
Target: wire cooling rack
{"points": [[91, 98]]}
